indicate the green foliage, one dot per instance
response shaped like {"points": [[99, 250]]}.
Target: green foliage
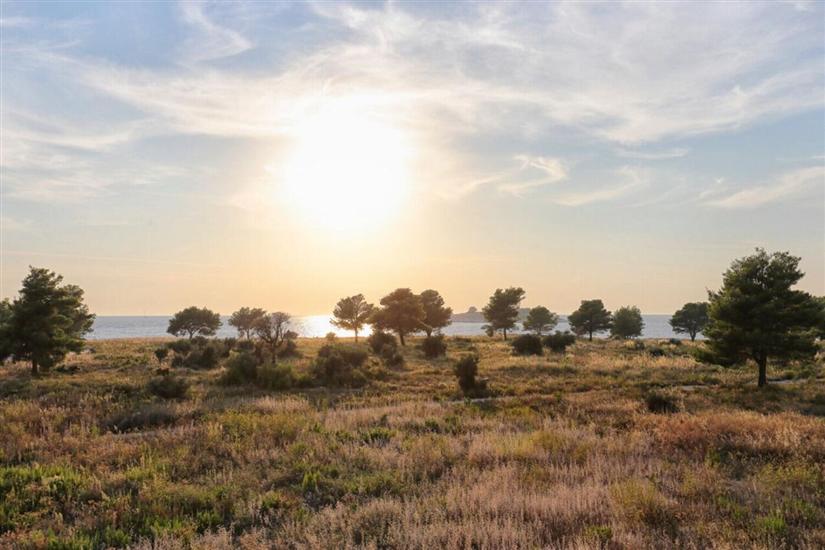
{"points": [[244, 320], [436, 315], [757, 314], [466, 371], [540, 319], [434, 346], [627, 323], [194, 321], [691, 319], [273, 330], [241, 368], [527, 344], [352, 313], [590, 318], [340, 365], [45, 322], [501, 312], [277, 377], [401, 311], [168, 386], [378, 340], [559, 341], [391, 356], [161, 354]]}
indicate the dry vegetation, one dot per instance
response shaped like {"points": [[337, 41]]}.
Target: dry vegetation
{"points": [[566, 454]]}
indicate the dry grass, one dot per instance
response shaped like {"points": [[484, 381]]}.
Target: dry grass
{"points": [[565, 455]]}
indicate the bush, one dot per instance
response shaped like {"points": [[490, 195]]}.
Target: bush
{"points": [[204, 357], [434, 346], [466, 370], [181, 347], [379, 339], [275, 377], [241, 368], [660, 402], [527, 344], [290, 349], [675, 342], [656, 351], [168, 386], [559, 341], [161, 354], [391, 356], [331, 337], [148, 417], [339, 365]]}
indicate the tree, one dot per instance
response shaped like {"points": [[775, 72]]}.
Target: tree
{"points": [[273, 330], [244, 320], [5, 328], [501, 312], [194, 320], [46, 321], [401, 311], [591, 317], [540, 319], [691, 319], [757, 315], [436, 315], [352, 313], [627, 323]]}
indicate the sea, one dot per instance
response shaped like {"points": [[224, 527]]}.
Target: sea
{"points": [[317, 326]]}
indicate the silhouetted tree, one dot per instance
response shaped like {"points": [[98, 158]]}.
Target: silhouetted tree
{"points": [[401, 311], [273, 330], [244, 320], [627, 323], [691, 319], [352, 313], [194, 320], [436, 315], [5, 327], [540, 319], [46, 321], [501, 312], [757, 315], [591, 317]]}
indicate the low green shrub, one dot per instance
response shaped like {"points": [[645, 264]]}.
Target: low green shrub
{"points": [[660, 402], [153, 416], [466, 371], [527, 344], [275, 377], [391, 356], [434, 346], [241, 368], [340, 365], [168, 386], [379, 339], [559, 341]]}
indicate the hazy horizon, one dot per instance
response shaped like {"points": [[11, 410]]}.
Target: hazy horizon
{"points": [[162, 155]]}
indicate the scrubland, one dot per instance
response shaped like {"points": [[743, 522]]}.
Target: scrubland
{"points": [[567, 451]]}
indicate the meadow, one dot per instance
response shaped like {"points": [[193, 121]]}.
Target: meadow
{"points": [[605, 446]]}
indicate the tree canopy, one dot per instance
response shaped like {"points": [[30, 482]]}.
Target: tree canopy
{"points": [[401, 311], [501, 312], [244, 320], [436, 314], [45, 322], [273, 330], [691, 319], [591, 317], [540, 319], [758, 315], [352, 313], [194, 320], [627, 323]]}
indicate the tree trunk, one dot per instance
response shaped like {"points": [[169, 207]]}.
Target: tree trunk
{"points": [[591, 335], [356, 335], [35, 372], [693, 336], [762, 361], [504, 331], [401, 337]]}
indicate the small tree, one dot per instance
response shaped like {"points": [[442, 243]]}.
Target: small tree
{"points": [[194, 320], [46, 321], [627, 323], [6, 348], [591, 317], [501, 312], [352, 313], [161, 354], [691, 319], [244, 320], [540, 319], [436, 315], [273, 330], [757, 315], [401, 311]]}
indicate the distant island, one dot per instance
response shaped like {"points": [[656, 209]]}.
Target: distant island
{"points": [[474, 315]]}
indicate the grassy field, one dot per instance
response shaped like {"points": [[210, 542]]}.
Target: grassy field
{"points": [[566, 453]]}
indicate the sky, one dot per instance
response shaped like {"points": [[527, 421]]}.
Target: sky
{"points": [[285, 155]]}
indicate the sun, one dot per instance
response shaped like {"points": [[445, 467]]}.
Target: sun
{"points": [[347, 171]]}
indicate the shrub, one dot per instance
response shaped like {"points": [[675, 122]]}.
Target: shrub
{"points": [[339, 365], [204, 357], [559, 341], [660, 402], [656, 351], [331, 337], [466, 369], [379, 339], [148, 417], [241, 368], [161, 353], [275, 377], [181, 347], [434, 346], [391, 356], [527, 344], [168, 386], [228, 345], [675, 342], [290, 349]]}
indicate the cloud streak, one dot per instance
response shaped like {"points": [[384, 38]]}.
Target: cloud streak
{"points": [[789, 184]]}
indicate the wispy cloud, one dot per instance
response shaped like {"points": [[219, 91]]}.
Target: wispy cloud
{"points": [[210, 41], [789, 184], [673, 153], [633, 179]]}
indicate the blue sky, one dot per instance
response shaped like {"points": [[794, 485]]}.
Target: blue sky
{"points": [[627, 151]]}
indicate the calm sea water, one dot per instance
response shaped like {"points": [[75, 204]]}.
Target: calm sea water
{"points": [[656, 326]]}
